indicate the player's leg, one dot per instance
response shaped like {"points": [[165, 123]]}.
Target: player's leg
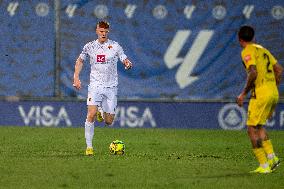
{"points": [[273, 160], [109, 118], [256, 140], [258, 151], [257, 144], [93, 100], [109, 104], [89, 129]]}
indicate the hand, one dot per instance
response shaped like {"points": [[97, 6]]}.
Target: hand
{"points": [[127, 64], [240, 99], [77, 83]]}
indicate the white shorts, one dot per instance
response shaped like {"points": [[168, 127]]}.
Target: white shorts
{"points": [[103, 97]]}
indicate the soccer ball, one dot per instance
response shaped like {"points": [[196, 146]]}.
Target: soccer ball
{"points": [[117, 147]]}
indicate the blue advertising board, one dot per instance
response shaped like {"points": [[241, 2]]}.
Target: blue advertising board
{"points": [[188, 115]]}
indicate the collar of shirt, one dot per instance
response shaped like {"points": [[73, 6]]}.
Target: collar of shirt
{"points": [[102, 44]]}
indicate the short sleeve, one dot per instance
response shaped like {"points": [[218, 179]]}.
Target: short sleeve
{"points": [[248, 57], [84, 53], [120, 53]]}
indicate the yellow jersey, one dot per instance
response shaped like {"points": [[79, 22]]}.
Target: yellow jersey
{"points": [[254, 54]]}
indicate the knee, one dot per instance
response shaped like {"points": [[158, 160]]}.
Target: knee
{"points": [[108, 122], [91, 117]]}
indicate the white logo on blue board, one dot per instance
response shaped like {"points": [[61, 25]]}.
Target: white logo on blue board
{"points": [[42, 9], [160, 12], [219, 12], [277, 12], [134, 116], [101, 11], [184, 75], [232, 117], [45, 116]]}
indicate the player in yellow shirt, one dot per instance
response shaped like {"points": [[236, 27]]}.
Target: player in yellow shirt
{"points": [[263, 78]]}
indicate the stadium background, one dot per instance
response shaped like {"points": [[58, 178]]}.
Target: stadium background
{"points": [[187, 66]]}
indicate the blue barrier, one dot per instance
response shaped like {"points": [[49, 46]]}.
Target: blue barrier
{"points": [[199, 115]]}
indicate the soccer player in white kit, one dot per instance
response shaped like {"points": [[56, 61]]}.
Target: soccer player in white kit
{"points": [[102, 90]]}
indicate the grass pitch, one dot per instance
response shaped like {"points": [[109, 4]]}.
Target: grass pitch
{"points": [[155, 158]]}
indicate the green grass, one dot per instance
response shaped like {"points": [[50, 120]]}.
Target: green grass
{"points": [[155, 158]]}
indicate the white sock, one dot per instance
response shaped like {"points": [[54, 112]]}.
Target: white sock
{"points": [[89, 133]]}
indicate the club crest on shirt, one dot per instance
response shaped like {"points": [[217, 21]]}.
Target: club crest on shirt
{"points": [[101, 58], [247, 58]]}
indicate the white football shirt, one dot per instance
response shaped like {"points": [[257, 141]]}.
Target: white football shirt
{"points": [[103, 60]]}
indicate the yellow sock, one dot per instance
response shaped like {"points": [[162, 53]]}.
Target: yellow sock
{"points": [[260, 155], [267, 147]]}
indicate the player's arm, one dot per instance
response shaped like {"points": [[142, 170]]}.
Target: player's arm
{"points": [[278, 70], [251, 77], [123, 58], [78, 68]]}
